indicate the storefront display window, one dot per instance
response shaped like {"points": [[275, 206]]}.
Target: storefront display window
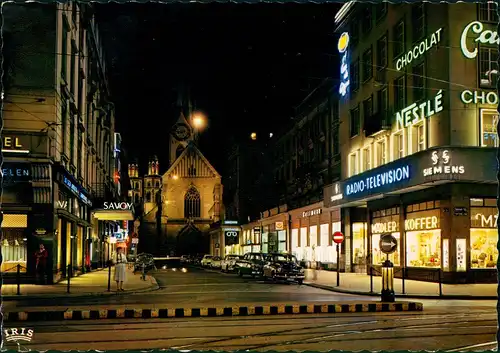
{"points": [[14, 249], [265, 242], [282, 241], [423, 248], [379, 257], [483, 244], [295, 242], [313, 236], [303, 237], [359, 243]]}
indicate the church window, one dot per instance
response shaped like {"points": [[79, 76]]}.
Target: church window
{"points": [[137, 186], [136, 199], [157, 184], [149, 184], [179, 151], [192, 204], [148, 196]]}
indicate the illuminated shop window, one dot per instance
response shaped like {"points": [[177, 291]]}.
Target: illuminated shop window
{"points": [[423, 248], [483, 253], [488, 128], [14, 249], [379, 257], [359, 243]]}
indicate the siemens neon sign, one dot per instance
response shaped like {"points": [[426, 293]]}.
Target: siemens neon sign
{"points": [[379, 180], [344, 64]]}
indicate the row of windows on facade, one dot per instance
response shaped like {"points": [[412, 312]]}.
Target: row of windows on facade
{"points": [[487, 61], [78, 94], [411, 140], [192, 202]]}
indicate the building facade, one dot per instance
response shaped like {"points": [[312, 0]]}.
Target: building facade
{"points": [[57, 141], [418, 131], [180, 205]]}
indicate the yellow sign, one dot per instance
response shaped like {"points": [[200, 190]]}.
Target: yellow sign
{"points": [[279, 226], [343, 42], [13, 144]]}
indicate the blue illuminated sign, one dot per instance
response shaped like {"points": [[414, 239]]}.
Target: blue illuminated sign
{"points": [[344, 64], [373, 182], [76, 190]]}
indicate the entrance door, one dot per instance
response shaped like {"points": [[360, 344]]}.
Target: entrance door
{"points": [[359, 246]]}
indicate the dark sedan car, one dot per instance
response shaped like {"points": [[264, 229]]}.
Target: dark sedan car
{"points": [[283, 267], [251, 264]]}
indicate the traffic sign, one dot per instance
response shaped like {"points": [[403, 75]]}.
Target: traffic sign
{"points": [[338, 237], [388, 243]]}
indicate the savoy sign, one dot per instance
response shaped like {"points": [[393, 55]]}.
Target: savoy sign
{"points": [[483, 36], [118, 205]]}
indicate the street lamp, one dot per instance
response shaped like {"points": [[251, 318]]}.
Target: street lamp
{"points": [[198, 121], [253, 136]]}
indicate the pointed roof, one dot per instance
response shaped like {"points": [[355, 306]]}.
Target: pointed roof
{"points": [[191, 147], [182, 119]]}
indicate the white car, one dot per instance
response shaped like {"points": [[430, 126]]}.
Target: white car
{"points": [[216, 260], [228, 263], [206, 261]]}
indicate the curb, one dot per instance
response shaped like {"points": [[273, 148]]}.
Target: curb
{"points": [[153, 287], [252, 310], [406, 296]]}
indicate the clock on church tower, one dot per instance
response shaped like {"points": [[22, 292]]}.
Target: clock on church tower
{"points": [[181, 132]]}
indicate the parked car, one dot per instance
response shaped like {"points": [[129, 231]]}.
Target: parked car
{"points": [[197, 260], [251, 264], [185, 259], [283, 267], [215, 263], [206, 261], [228, 263]]}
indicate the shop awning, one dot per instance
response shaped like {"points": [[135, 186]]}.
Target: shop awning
{"points": [[113, 215]]}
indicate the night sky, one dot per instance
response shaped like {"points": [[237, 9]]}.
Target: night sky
{"points": [[247, 67]]}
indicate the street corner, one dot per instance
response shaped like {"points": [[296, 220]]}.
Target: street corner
{"points": [[213, 311]]}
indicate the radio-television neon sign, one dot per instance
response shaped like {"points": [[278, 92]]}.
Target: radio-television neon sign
{"points": [[344, 64], [376, 181]]}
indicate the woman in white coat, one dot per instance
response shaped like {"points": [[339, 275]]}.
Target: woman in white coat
{"points": [[120, 261]]}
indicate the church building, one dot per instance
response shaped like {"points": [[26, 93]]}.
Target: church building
{"points": [[179, 206]]}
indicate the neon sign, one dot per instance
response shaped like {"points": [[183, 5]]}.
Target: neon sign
{"points": [[483, 37], [479, 97], [419, 111], [344, 64], [419, 49], [441, 165], [382, 179]]}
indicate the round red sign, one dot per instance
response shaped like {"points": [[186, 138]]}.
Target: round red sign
{"points": [[338, 237]]}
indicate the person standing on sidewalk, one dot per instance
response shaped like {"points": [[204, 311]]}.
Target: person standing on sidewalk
{"points": [[41, 263], [120, 269]]}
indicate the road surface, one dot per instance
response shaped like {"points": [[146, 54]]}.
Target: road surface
{"points": [[448, 325]]}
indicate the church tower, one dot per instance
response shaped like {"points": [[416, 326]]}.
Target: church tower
{"points": [[152, 184], [135, 183], [180, 136]]}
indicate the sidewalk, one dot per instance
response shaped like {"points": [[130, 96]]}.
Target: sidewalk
{"points": [[90, 284], [357, 283]]}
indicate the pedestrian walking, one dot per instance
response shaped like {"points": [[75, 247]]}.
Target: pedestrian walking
{"points": [[41, 263], [120, 269]]}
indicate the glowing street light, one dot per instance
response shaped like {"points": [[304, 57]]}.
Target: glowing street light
{"points": [[175, 177], [253, 136], [198, 121]]}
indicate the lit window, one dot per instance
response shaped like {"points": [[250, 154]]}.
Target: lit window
{"points": [[489, 121], [353, 164], [398, 145], [381, 153], [367, 159], [420, 137]]}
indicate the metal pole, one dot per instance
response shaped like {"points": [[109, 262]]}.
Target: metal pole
{"points": [[440, 283], [338, 265], [403, 275], [109, 267], [371, 278], [69, 278], [18, 279]]}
